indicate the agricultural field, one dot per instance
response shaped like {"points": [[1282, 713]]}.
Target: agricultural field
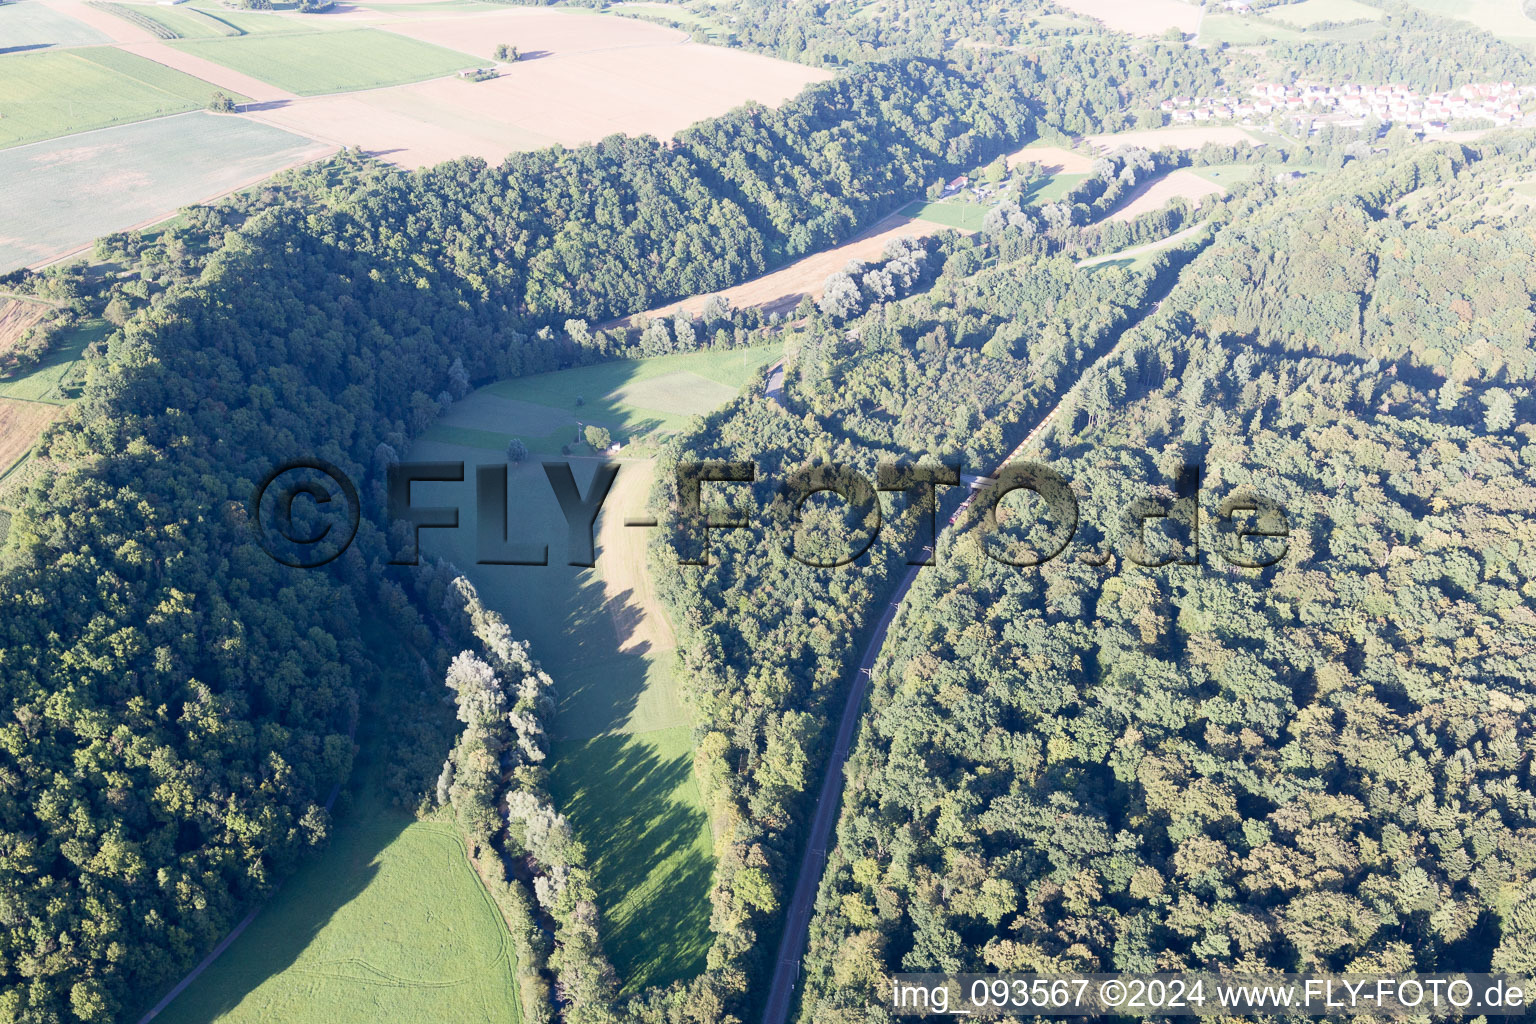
{"points": [[68, 192], [60, 92], [1158, 192], [1054, 159], [583, 77], [779, 291], [1142, 18], [20, 425], [390, 923], [312, 64], [1311, 12], [186, 22], [33, 26], [622, 764]]}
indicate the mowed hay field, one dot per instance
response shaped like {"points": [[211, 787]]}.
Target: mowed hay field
{"points": [[20, 425], [64, 193], [779, 291], [31, 25], [583, 77], [310, 64], [59, 92], [1155, 194], [622, 760], [390, 923]]}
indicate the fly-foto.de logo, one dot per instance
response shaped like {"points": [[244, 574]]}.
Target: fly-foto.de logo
{"points": [[306, 512]]}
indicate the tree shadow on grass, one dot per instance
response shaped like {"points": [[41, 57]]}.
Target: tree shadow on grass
{"points": [[644, 845], [292, 918]]}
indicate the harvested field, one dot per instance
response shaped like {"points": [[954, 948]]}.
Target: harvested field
{"points": [[20, 425], [1138, 17], [64, 193], [582, 77], [16, 315], [1054, 159], [639, 623], [1179, 138], [779, 291], [1155, 194], [114, 28]]}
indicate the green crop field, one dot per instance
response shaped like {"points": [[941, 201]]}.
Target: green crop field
{"points": [[189, 22], [621, 763], [32, 27], [963, 215], [311, 64], [258, 22], [388, 924], [65, 193], [60, 92]]}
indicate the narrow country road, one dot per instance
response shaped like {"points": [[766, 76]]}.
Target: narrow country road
{"points": [[797, 914]]}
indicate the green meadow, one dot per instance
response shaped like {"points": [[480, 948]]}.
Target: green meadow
{"points": [[57, 378], [635, 399], [312, 64], [390, 923], [962, 215], [622, 759]]}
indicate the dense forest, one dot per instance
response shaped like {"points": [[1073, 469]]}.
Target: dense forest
{"points": [[178, 706], [1325, 764]]}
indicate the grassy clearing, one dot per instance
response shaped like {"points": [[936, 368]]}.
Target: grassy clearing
{"points": [[1232, 174], [621, 766], [1242, 30], [33, 27], [60, 92], [66, 192], [632, 398], [56, 380], [965, 216], [635, 803], [346, 60], [1310, 12], [1052, 189], [390, 923]]}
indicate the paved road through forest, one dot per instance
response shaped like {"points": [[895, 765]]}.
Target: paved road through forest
{"points": [[797, 915]]}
